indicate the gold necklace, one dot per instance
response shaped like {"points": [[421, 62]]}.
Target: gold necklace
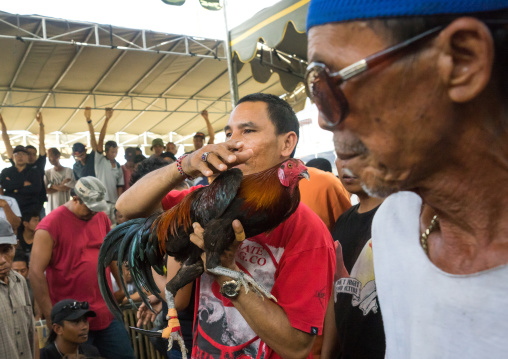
{"points": [[434, 224]]}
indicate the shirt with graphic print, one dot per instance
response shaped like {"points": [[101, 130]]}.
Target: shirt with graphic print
{"points": [[283, 261], [357, 314]]}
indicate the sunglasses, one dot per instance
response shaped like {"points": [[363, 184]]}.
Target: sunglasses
{"points": [[323, 86], [76, 306]]}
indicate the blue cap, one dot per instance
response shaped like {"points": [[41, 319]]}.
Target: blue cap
{"points": [[327, 11]]}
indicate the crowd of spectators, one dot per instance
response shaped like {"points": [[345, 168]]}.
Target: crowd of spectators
{"points": [[52, 208], [416, 269]]}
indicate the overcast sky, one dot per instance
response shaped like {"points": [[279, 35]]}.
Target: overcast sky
{"points": [[189, 19]]}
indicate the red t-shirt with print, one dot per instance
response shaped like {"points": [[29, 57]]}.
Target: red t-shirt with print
{"points": [[296, 262]]}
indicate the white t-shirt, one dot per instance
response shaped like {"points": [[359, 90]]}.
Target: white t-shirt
{"points": [[111, 177], [53, 176], [428, 313], [13, 204]]}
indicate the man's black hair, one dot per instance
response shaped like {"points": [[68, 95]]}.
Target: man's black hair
{"points": [[169, 155], [30, 147], [139, 158], [20, 256], [280, 113], [27, 216], [110, 144], [55, 151], [400, 29], [320, 163], [130, 150], [145, 167]]}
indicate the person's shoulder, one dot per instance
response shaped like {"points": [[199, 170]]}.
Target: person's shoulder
{"points": [[49, 352], [399, 202], [89, 350], [305, 220], [304, 214], [55, 215], [32, 169], [8, 169], [398, 208], [18, 278], [7, 198], [101, 218]]}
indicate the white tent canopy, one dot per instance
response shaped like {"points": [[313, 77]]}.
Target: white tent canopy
{"points": [[157, 83]]}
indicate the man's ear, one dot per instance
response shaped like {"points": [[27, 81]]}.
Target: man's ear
{"points": [[465, 63], [58, 329], [289, 143]]}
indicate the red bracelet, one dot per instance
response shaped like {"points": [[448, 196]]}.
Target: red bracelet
{"points": [[179, 167]]}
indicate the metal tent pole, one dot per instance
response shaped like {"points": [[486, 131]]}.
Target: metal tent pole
{"points": [[233, 81]]}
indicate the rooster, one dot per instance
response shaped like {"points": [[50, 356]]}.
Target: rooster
{"points": [[259, 201]]}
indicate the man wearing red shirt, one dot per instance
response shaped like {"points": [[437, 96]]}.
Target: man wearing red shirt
{"points": [[295, 261], [66, 247]]}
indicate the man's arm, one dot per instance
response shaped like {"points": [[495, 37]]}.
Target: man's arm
{"points": [[33, 183], [9, 185], [41, 256], [211, 134], [88, 118], [266, 318], [330, 339], [145, 196], [102, 135], [5, 137], [120, 180], [42, 134], [11, 217]]}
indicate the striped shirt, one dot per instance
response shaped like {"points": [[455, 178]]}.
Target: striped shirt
{"points": [[16, 319]]}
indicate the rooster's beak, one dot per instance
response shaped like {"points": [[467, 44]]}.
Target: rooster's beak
{"points": [[305, 175]]}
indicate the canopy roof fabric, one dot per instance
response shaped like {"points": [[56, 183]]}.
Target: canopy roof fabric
{"points": [[157, 83], [274, 40]]}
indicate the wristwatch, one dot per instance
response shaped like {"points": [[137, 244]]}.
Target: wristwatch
{"points": [[230, 288]]}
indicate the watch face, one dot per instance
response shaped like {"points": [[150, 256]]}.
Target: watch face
{"points": [[230, 289]]}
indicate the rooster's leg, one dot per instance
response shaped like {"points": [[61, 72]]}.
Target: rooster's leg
{"points": [[191, 269], [244, 279]]}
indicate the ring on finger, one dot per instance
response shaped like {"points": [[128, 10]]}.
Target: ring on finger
{"points": [[204, 156]]}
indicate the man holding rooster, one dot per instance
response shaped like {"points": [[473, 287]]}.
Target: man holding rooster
{"points": [[261, 133]]}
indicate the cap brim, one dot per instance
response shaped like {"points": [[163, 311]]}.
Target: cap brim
{"points": [[101, 206], [76, 314], [8, 240]]}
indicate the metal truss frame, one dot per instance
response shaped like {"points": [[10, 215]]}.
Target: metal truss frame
{"points": [[147, 37], [134, 102]]}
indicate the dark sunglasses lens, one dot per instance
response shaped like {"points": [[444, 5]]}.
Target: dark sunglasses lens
{"points": [[327, 97]]}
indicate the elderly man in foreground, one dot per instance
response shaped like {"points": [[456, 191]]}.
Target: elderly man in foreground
{"points": [[415, 94]]}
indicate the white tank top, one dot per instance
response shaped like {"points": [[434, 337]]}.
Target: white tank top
{"points": [[428, 313]]}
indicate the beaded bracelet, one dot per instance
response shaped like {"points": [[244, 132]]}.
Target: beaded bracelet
{"points": [[179, 167]]}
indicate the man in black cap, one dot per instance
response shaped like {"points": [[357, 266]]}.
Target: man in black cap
{"points": [[38, 162], [22, 182], [70, 331]]}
